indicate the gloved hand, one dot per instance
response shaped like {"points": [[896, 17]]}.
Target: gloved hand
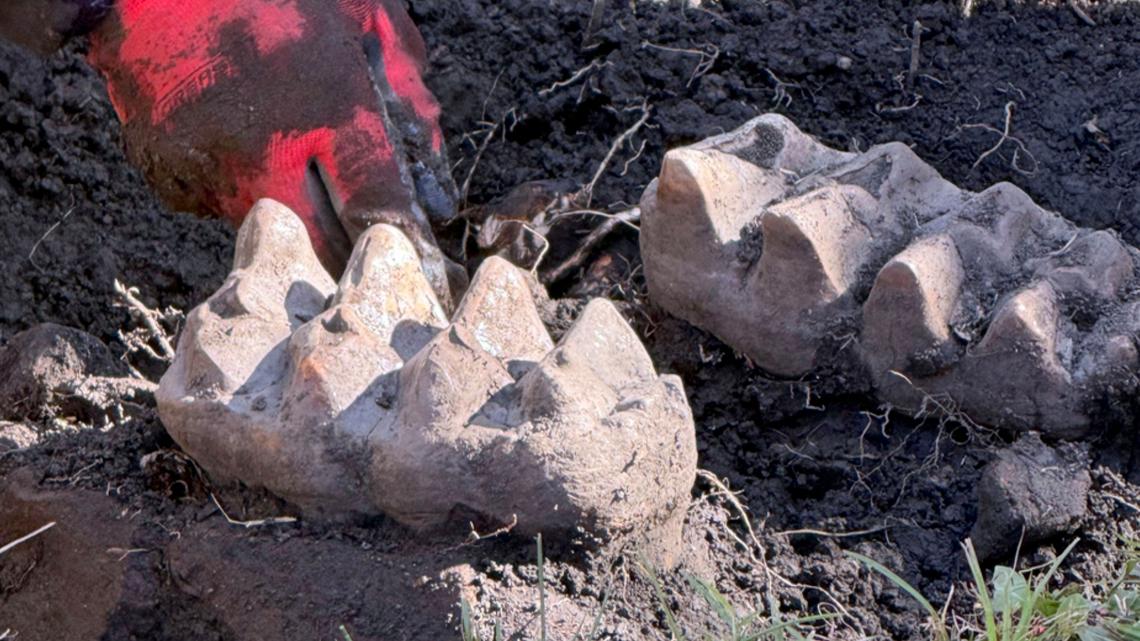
{"points": [[318, 104]]}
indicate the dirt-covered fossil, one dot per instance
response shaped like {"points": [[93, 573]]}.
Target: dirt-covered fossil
{"points": [[362, 397], [794, 253]]}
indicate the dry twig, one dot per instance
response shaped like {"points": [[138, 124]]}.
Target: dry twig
{"points": [[47, 233], [587, 193], [490, 135], [781, 97], [915, 53], [149, 317], [1005, 136], [835, 535], [474, 535], [575, 260], [276, 520], [578, 75], [596, 14], [754, 545], [125, 552], [26, 537], [1084, 16]]}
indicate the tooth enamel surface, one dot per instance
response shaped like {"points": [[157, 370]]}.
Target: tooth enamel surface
{"points": [[911, 305], [778, 245], [378, 403], [498, 310], [385, 286]]}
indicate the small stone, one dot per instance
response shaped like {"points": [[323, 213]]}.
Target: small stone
{"points": [[39, 364], [1032, 488], [16, 436]]}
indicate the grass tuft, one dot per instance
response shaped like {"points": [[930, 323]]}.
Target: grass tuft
{"points": [[1024, 606]]}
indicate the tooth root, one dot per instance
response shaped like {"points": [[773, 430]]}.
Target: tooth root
{"points": [[1094, 265], [911, 303], [499, 311], [386, 287]]}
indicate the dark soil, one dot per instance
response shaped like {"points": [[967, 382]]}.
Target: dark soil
{"points": [[148, 555]]}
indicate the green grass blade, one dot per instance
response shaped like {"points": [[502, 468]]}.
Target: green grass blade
{"points": [[897, 580], [670, 620], [936, 622], [983, 593], [466, 622], [541, 591], [1043, 584], [719, 604], [778, 630], [1011, 592]]}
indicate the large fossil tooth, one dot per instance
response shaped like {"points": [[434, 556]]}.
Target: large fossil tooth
{"points": [[1007, 313], [379, 404]]}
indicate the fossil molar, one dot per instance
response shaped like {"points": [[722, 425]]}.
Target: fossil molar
{"points": [[362, 397], [982, 303]]}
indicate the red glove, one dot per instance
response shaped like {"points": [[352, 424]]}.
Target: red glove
{"points": [[318, 104]]}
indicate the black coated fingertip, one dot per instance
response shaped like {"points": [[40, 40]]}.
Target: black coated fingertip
{"points": [[437, 200]]}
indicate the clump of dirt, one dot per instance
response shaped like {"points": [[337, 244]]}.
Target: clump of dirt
{"points": [[77, 216], [515, 78], [820, 472]]}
